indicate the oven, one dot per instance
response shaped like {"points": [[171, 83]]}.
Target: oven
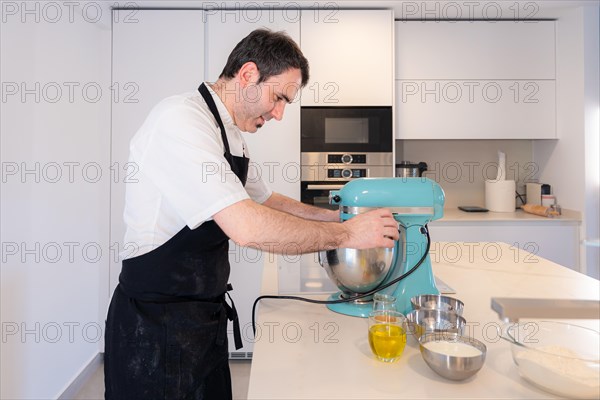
{"points": [[322, 172], [317, 193]]}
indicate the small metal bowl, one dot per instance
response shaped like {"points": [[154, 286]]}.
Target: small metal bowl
{"points": [[437, 302], [434, 321], [461, 358]]}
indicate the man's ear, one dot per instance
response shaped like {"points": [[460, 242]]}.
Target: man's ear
{"points": [[248, 74]]}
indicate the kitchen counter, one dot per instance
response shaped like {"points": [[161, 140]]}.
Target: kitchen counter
{"points": [[456, 215], [305, 351]]}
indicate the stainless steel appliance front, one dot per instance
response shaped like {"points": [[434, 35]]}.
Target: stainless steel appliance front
{"points": [[337, 166]]}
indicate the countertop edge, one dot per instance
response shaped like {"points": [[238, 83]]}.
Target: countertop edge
{"points": [[454, 215]]}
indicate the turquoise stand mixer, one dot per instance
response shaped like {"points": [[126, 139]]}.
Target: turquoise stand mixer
{"points": [[359, 274]]}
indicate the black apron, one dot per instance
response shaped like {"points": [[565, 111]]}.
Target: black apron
{"points": [[166, 329]]}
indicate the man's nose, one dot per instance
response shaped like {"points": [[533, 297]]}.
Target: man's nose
{"points": [[277, 111]]}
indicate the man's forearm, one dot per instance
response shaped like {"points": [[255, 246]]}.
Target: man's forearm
{"points": [[251, 224], [276, 231], [286, 204]]}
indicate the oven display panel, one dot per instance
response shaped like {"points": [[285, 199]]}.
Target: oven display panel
{"points": [[346, 173]]}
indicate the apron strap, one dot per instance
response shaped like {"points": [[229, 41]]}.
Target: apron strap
{"points": [[215, 112], [230, 313]]}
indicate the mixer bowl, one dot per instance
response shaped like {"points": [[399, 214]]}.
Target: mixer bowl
{"points": [[357, 271]]}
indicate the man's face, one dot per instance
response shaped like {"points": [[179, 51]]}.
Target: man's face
{"points": [[261, 102]]}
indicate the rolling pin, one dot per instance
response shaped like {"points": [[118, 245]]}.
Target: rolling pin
{"points": [[540, 210]]}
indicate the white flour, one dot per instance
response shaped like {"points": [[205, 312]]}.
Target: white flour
{"points": [[456, 349], [566, 375]]}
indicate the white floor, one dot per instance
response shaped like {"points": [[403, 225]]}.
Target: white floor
{"points": [[240, 376]]}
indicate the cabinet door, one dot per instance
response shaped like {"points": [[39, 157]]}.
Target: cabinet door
{"points": [[475, 80], [156, 54], [475, 50], [556, 242], [274, 150], [475, 109], [350, 54]]}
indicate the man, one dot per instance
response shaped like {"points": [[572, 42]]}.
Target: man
{"points": [[166, 325]]}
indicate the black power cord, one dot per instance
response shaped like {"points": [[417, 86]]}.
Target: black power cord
{"points": [[424, 230], [520, 197]]}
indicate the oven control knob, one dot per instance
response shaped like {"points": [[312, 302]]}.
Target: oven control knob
{"points": [[347, 173], [347, 159]]}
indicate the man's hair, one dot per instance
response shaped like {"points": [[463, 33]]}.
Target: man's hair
{"points": [[272, 52]]}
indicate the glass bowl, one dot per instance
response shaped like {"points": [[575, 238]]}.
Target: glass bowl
{"points": [[560, 358]]}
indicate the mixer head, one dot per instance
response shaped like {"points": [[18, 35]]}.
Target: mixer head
{"points": [[409, 199]]}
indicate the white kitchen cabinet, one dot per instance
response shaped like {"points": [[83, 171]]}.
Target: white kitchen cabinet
{"points": [[475, 50], [475, 80], [274, 150], [557, 241], [351, 57], [155, 54], [475, 109]]}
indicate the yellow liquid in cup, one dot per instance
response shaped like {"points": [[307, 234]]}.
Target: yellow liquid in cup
{"points": [[387, 341]]}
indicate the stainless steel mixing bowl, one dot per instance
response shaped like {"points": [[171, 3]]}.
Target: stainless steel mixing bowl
{"points": [[437, 302], [425, 321], [357, 271], [453, 364]]}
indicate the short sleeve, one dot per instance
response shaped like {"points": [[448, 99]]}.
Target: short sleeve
{"points": [[184, 158], [256, 187]]}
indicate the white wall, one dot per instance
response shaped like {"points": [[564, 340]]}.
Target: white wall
{"points": [[591, 48], [568, 164], [54, 218], [461, 166]]}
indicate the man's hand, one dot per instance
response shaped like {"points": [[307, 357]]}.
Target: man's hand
{"points": [[376, 228]]}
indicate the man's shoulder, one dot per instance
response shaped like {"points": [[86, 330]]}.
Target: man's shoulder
{"points": [[188, 102], [186, 108]]}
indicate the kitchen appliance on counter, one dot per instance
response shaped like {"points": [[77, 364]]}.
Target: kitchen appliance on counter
{"points": [[535, 192], [409, 169], [414, 203]]}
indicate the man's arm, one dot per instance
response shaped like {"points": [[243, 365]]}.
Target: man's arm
{"points": [[286, 204], [253, 225]]}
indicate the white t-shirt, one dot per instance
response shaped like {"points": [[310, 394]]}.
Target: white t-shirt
{"points": [[182, 176]]}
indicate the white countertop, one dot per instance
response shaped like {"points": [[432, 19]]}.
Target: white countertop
{"points": [[452, 215], [305, 351]]}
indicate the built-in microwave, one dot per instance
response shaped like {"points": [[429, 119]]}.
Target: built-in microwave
{"points": [[346, 129]]}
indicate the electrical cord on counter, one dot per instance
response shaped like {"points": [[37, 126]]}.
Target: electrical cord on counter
{"points": [[424, 230]]}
